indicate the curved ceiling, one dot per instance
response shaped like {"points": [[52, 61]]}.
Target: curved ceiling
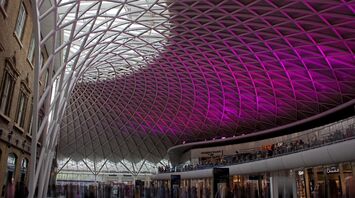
{"points": [[220, 68], [112, 38]]}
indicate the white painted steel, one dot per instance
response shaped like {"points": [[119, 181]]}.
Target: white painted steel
{"points": [[334, 153], [116, 36]]}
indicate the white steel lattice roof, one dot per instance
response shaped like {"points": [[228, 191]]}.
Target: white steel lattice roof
{"points": [[112, 38], [150, 74]]}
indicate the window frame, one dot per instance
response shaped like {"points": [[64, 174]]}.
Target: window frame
{"points": [[13, 73], [3, 6], [24, 169], [9, 82], [21, 108], [31, 51], [31, 120], [10, 167], [21, 23]]}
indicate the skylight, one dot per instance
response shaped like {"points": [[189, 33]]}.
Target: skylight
{"points": [[109, 39]]}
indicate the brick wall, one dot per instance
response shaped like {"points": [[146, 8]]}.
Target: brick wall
{"points": [[16, 50]]}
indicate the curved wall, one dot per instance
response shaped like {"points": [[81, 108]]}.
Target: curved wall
{"points": [[333, 153], [177, 154]]}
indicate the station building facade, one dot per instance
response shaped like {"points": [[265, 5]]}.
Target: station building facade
{"points": [[16, 90]]}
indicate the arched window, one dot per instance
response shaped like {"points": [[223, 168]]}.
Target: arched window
{"points": [[24, 166], [9, 183], [11, 167]]}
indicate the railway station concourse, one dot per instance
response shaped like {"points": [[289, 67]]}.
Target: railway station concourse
{"points": [[177, 98]]}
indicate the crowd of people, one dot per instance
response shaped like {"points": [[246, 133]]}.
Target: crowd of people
{"points": [[164, 169], [303, 142], [105, 190], [89, 190]]}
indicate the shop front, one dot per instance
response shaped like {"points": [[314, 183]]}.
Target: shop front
{"points": [[328, 181], [251, 186]]}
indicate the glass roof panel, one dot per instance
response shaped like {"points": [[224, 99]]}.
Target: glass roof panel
{"points": [[133, 30]]}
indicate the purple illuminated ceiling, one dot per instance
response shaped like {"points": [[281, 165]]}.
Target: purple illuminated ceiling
{"points": [[229, 68]]}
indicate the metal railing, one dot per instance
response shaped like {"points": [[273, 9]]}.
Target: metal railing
{"points": [[321, 136]]}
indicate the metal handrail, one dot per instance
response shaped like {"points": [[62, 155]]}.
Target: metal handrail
{"points": [[313, 138]]}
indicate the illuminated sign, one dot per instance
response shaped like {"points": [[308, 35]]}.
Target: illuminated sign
{"points": [[332, 169], [212, 153]]}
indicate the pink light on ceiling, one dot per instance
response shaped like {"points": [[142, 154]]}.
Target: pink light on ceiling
{"points": [[229, 68]]}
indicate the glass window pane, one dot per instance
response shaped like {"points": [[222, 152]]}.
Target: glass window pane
{"points": [[21, 18], [3, 3], [6, 92], [31, 51], [11, 160], [21, 109]]}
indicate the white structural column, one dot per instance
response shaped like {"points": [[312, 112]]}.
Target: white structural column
{"points": [[85, 41], [37, 52], [53, 99], [150, 74]]}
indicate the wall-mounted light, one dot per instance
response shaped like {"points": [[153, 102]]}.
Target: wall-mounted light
{"points": [[300, 173]]}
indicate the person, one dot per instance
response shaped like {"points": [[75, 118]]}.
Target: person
{"points": [[20, 190], [182, 192], [78, 194], [10, 191], [207, 191], [26, 191], [221, 190]]}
